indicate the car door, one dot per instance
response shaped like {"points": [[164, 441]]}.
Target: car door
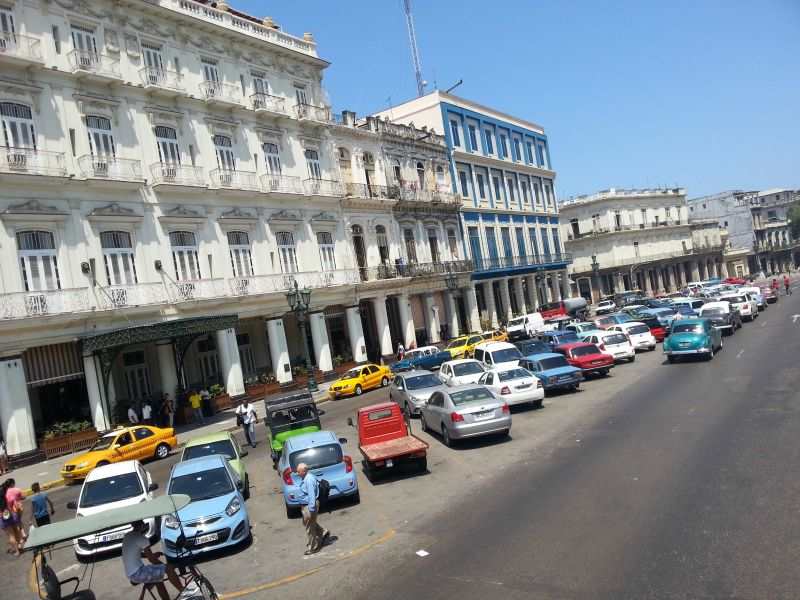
{"points": [[124, 447], [490, 379], [428, 412], [144, 443], [397, 391], [364, 378]]}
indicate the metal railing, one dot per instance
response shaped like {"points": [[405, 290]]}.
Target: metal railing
{"points": [[93, 62], [498, 263], [626, 227], [281, 183], [161, 78], [268, 102], [323, 187], [234, 180], [387, 271], [110, 167], [216, 91], [32, 162], [312, 112], [196, 289], [177, 175], [269, 284], [137, 294], [363, 190], [20, 305], [20, 46]]}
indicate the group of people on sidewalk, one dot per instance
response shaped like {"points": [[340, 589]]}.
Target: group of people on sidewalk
{"points": [[786, 285], [161, 415], [12, 509]]}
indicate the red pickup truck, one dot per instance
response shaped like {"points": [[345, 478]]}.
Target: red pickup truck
{"points": [[385, 441]]}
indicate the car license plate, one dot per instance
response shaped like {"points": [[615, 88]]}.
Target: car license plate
{"points": [[565, 378], [524, 386], [389, 462], [110, 537], [597, 362], [482, 416], [204, 539], [684, 344]]}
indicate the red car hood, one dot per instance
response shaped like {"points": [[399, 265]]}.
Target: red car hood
{"points": [[585, 362]]}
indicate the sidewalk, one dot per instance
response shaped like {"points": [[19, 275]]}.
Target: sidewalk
{"points": [[47, 472]]}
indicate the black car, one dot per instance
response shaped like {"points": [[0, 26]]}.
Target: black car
{"points": [[729, 322], [531, 347]]}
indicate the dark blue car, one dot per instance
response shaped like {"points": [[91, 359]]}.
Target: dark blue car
{"points": [[554, 371]]}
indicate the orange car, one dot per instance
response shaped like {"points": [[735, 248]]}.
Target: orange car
{"points": [[125, 443]]}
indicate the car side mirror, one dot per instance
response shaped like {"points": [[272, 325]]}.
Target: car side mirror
{"points": [[243, 453], [342, 440], [320, 412], [152, 487], [350, 421], [72, 505]]}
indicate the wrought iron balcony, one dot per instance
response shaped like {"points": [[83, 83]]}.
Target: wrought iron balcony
{"points": [[86, 61], [168, 174], [268, 103], [153, 77], [197, 289], [123, 296], [28, 161], [311, 112], [20, 47], [110, 167], [21, 305], [281, 184], [323, 187], [363, 190], [216, 91], [504, 263], [279, 283], [387, 271], [234, 180]]}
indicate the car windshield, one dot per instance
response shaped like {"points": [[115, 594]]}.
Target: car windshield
{"points": [[222, 447], [506, 355], [515, 322], [352, 373], [617, 338], [513, 374], [685, 309], [203, 484], [715, 312], [532, 347], [639, 329], [687, 328], [566, 337], [457, 343], [553, 362], [736, 299], [317, 457], [469, 368], [585, 350], [104, 443], [623, 318], [110, 489], [479, 394], [422, 381]]}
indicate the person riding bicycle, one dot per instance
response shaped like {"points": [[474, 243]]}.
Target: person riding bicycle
{"points": [[134, 545]]}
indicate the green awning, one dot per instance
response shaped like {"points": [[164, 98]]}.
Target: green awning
{"points": [[109, 519]]}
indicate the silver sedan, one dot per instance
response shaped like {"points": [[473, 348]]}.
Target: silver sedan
{"points": [[413, 388], [464, 412]]}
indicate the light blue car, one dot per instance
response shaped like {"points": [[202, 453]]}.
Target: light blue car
{"points": [[554, 371], [323, 454], [216, 517]]}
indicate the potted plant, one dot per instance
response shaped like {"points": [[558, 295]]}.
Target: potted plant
{"points": [[220, 400], [67, 437]]}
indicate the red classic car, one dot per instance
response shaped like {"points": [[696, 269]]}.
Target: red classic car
{"points": [[587, 357]]}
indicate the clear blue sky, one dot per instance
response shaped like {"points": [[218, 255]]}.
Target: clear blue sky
{"points": [[700, 93]]}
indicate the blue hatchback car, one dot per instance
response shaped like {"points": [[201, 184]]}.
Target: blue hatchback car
{"points": [[554, 371], [216, 517], [322, 452]]}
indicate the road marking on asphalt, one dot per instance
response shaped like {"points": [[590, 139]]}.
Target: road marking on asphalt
{"points": [[764, 324], [740, 353], [292, 578], [422, 553]]}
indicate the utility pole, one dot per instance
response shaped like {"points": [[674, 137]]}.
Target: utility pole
{"points": [[412, 40]]}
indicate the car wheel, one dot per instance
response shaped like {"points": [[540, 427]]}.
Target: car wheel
{"points": [[632, 358], [162, 451], [422, 422], [246, 490], [538, 403], [446, 437], [293, 512], [358, 390], [672, 359], [357, 498], [384, 381], [575, 387], [422, 464]]}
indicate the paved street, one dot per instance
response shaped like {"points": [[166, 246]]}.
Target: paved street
{"points": [[662, 481]]}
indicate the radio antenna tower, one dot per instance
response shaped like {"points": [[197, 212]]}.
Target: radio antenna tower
{"points": [[412, 40]]}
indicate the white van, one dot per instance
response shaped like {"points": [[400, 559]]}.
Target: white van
{"points": [[493, 354], [523, 327]]}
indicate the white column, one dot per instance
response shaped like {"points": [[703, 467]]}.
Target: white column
{"points": [[505, 298], [16, 419], [473, 315], [382, 325], [356, 332], [407, 321], [520, 293], [319, 337], [94, 389], [229, 362], [566, 290], [452, 313], [167, 370], [724, 270], [432, 319], [279, 350], [491, 307], [555, 294], [533, 293], [667, 279]]}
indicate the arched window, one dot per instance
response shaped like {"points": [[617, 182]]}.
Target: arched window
{"points": [[38, 262], [185, 255], [241, 259], [118, 257], [421, 175], [287, 251], [101, 138], [383, 243], [397, 171], [18, 130], [167, 143], [440, 180], [326, 250]]}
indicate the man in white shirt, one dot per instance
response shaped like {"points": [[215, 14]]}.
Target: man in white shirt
{"points": [[249, 418], [147, 412], [134, 545], [133, 418]]}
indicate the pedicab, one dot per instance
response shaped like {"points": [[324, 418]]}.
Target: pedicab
{"points": [[44, 541]]}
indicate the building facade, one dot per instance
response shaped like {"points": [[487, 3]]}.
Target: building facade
{"points": [[166, 177], [638, 239], [500, 166]]}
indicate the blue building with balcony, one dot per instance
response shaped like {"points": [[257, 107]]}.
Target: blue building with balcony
{"points": [[500, 166]]}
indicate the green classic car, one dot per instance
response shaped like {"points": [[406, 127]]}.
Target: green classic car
{"points": [[692, 337], [224, 443], [287, 416]]}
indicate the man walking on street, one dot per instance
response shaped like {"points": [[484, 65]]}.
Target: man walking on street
{"points": [[196, 403], [248, 418], [147, 412], [309, 498], [168, 408], [133, 418], [786, 285]]}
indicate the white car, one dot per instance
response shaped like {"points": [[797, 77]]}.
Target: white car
{"points": [[460, 372], [604, 307], [515, 385], [119, 484], [638, 333], [614, 343], [744, 303], [493, 355]]}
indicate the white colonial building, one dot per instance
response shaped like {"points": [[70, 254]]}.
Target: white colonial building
{"points": [[168, 170]]}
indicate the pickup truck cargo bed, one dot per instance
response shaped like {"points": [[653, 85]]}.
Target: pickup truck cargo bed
{"points": [[393, 448]]}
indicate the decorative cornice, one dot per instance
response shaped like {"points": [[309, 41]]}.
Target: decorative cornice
{"points": [[237, 214]]}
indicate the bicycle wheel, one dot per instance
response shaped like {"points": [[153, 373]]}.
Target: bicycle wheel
{"points": [[208, 591]]}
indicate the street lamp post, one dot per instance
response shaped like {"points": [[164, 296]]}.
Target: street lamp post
{"points": [[596, 275], [299, 301]]}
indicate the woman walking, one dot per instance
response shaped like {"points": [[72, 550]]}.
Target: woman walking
{"points": [[9, 522]]}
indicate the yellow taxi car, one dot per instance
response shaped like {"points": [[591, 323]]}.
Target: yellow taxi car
{"points": [[360, 379], [125, 443], [496, 335], [464, 346]]}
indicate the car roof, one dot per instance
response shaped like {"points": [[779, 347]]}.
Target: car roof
{"points": [[691, 322], [209, 438], [118, 468], [311, 440], [571, 345], [491, 346], [503, 367], [418, 349], [197, 465], [119, 430], [460, 388], [628, 324], [288, 400], [414, 373], [716, 304], [545, 355], [459, 361]]}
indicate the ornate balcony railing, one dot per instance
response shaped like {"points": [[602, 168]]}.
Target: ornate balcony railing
{"points": [[500, 263], [37, 304], [387, 271], [161, 78], [139, 294], [311, 112], [216, 91], [270, 284], [268, 102], [32, 162], [110, 167], [197, 289], [281, 183], [363, 190], [168, 174], [20, 46], [323, 187], [626, 227], [234, 180], [93, 62]]}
